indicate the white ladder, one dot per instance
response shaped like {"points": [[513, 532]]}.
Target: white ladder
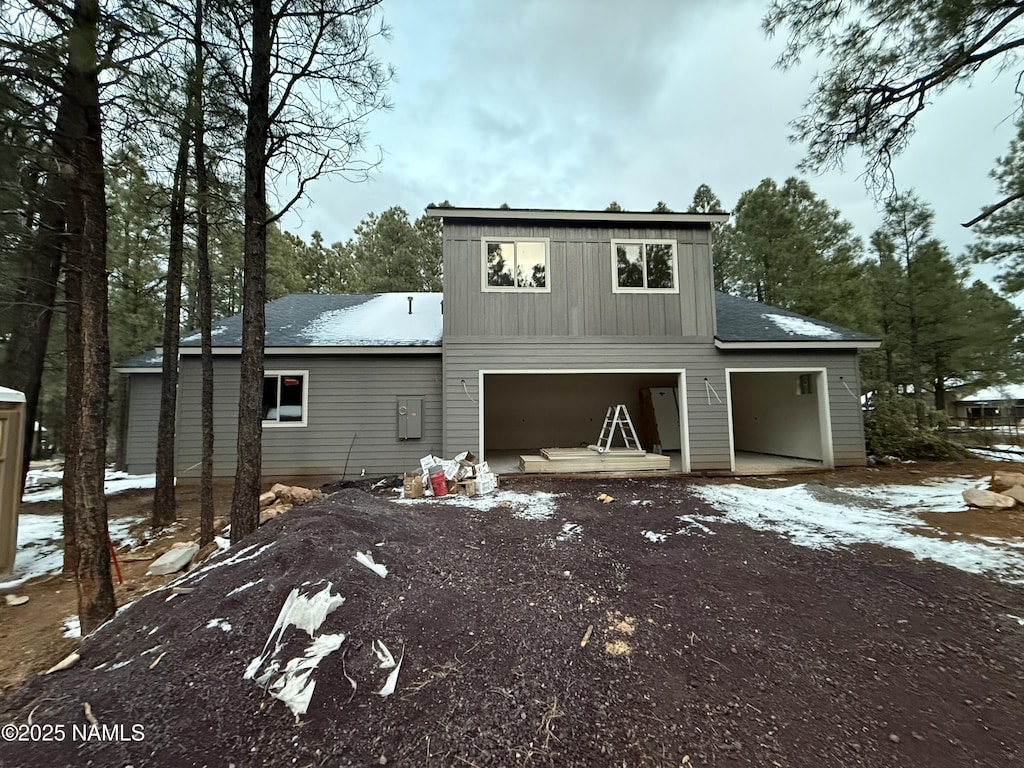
{"points": [[617, 416]]}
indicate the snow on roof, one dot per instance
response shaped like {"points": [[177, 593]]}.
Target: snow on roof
{"points": [[798, 326], [11, 396], [1004, 392], [384, 320]]}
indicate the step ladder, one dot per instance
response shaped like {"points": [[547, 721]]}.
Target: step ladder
{"points": [[617, 417]]}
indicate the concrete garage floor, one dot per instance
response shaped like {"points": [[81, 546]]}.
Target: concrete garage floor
{"points": [[506, 462]]}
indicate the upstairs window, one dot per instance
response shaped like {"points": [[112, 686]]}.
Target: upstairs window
{"points": [[644, 265], [515, 265], [284, 399]]}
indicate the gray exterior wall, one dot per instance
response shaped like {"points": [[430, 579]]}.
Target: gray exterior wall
{"points": [[581, 301], [143, 420], [351, 402], [583, 325], [707, 411]]}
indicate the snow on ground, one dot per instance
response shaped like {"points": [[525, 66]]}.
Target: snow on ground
{"points": [[41, 545], [999, 453], [44, 485], [539, 505], [812, 515]]}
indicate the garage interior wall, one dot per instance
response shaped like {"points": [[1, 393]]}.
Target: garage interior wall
{"points": [[769, 415], [530, 411]]}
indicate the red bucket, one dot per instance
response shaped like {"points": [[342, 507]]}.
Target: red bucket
{"points": [[437, 481]]}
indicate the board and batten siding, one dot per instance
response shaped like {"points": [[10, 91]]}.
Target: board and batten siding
{"points": [[706, 385], [579, 274], [143, 422], [352, 416]]}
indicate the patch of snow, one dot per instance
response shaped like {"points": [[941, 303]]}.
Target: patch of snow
{"points": [[999, 453], [654, 538], [197, 335], [219, 623], [570, 531], [691, 522], [798, 326], [1018, 619], [244, 587], [641, 502], [539, 505], [366, 558], [114, 482], [119, 664], [997, 394], [240, 556], [72, 627], [942, 494], [383, 321], [811, 515], [41, 545]]}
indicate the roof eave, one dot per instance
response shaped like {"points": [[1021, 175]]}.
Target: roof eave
{"points": [[825, 345], [418, 349], [605, 217]]}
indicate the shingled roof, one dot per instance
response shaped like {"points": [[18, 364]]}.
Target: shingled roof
{"points": [[405, 319], [746, 324]]}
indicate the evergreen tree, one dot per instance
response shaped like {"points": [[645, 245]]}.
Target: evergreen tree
{"points": [[723, 246], [1001, 234], [794, 251], [390, 253]]}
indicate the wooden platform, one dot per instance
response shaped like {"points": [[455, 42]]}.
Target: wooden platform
{"points": [[573, 460], [561, 454]]}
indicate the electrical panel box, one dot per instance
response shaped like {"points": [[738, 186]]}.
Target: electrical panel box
{"points": [[410, 418]]}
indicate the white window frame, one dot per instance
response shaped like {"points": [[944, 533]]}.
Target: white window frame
{"points": [[515, 240], [643, 242], [277, 423]]}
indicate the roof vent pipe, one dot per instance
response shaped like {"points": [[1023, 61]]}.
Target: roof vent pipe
{"points": [[410, 305]]}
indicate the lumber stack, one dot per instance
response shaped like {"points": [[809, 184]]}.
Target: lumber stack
{"points": [[571, 460]]}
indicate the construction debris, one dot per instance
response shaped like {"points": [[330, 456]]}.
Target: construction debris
{"points": [[461, 475], [174, 559], [66, 663]]}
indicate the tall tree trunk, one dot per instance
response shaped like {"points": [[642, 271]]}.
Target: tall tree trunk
{"points": [[88, 352], [206, 510], [33, 313], [164, 507], [245, 500]]}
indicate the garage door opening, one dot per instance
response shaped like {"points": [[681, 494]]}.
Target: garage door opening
{"points": [[524, 412], [779, 420]]}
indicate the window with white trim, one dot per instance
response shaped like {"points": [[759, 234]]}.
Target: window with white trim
{"points": [[515, 264], [644, 265], [284, 398]]}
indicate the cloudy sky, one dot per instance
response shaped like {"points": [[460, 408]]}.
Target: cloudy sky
{"points": [[574, 103]]}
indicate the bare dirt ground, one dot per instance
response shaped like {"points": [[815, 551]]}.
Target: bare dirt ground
{"points": [[726, 648]]}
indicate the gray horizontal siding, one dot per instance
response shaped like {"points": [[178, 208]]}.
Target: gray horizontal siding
{"points": [[581, 301], [352, 416], [143, 420], [706, 387]]}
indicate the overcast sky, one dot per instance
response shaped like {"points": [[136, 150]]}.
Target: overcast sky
{"points": [[575, 103]]}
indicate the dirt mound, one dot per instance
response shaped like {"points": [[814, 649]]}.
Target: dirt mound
{"points": [[529, 637]]}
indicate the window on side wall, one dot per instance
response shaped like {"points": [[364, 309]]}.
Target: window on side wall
{"points": [[284, 398], [644, 265], [517, 265]]}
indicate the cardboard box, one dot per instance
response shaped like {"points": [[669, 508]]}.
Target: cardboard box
{"points": [[412, 486]]}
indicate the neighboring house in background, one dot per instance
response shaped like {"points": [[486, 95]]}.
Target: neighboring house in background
{"points": [[549, 318], [991, 407]]}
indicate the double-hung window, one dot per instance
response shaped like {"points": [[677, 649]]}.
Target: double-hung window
{"points": [[645, 265], [515, 264], [284, 398]]}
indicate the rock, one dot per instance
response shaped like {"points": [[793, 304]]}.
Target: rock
{"points": [[173, 560], [296, 494], [268, 498], [1017, 493], [278, 508], [16, 599], [203, 554], [277, 488], [1001, 480], [975, 497], [219, 523]]}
